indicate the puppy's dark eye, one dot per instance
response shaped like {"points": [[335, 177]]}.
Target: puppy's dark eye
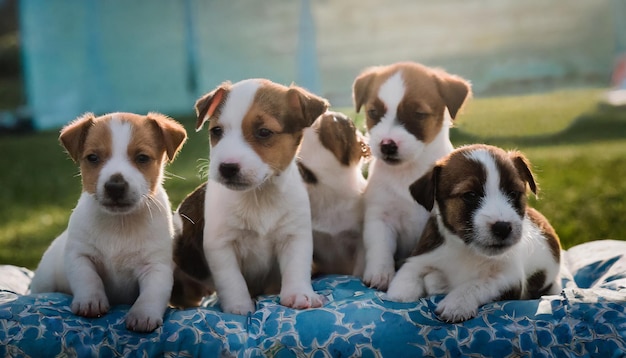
{"points": [[515, 195], [142, 159], [470, 197], [216, 132], [263, 133], [373, 113], [420, 115], [93, 158]]}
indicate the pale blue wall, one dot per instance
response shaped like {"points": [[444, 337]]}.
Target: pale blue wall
{"points": [[160, 55]]}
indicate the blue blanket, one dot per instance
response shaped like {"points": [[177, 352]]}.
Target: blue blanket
{"points": [[587, 319]]}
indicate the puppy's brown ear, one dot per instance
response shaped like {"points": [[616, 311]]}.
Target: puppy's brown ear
{"points": [[454, 90], [361, 88], [523, 168], [305, 103], [73, 135], [423, 189], [207, 105], [174, 134]]}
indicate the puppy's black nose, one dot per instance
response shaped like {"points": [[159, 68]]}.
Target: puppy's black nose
{"points": [[229, 170], [389, 147], [501, 229], [116, 187]]}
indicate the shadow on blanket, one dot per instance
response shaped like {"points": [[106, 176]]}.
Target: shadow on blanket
{"points": [[587, 319]]}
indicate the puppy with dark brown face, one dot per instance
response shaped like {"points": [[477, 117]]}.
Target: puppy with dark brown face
{"points": [[330, 162], [256, 232], [409, 110], [482, 242]]}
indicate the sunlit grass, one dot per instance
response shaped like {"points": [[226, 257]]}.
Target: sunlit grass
{"points": [[526, 115]]}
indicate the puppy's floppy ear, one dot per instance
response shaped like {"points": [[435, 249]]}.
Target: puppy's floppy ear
{"points": [[423, 189], [523, 168], [454, 91], [305, 103], [361, 87], [207, 105], [73, 135], [174, 134]]}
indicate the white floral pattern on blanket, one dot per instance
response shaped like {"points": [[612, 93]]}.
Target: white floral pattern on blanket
{"points": [[587, 319]]}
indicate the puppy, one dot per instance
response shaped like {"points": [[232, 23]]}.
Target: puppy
{"points": [[409, 109], [482, 242], [192, 278], [256, 236], [330, 160], [117, 248]]}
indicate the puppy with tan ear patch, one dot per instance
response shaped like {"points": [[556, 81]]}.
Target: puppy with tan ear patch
{"points": [[482, 242], [330, 162], [256, 230], [117, 248], [409, 109]]}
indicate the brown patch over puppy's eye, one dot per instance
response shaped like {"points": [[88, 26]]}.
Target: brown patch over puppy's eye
{"points": [[420, 115]]}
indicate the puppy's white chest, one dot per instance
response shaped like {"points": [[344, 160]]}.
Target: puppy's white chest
{"points": [[399, 212]]}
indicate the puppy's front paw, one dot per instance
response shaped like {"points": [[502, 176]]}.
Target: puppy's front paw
{"points": [[242, 307], [452, 309], [301, 300], [404, 293], [378, 277], [90, 306], [140, 319]]}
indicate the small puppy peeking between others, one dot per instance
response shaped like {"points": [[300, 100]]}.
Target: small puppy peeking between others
{"points": [[409, 110], [117, 248], [256, 235], [482, 242], [330, 160]]}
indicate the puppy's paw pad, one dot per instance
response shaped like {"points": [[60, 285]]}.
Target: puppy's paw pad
{"points": [[90, 306], [302, 300]]}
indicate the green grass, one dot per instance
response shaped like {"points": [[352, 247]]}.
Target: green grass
{"points": [[577, 147]]}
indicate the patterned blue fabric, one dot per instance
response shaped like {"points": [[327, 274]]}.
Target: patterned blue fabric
{"points": [[587, 319]]}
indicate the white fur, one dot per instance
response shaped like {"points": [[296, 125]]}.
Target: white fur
{"points": [[108, 258], [232, 148], [469, 277], [393, 221], [246, 231], [496, 205], [336, 206]]}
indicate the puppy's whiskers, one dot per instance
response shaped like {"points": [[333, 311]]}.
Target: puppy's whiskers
{"points": [[203, 168], [169, 175]]}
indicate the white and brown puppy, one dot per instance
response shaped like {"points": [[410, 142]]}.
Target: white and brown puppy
{"points": [[330, 162], [482, 242], [257, 218], [117, 248], [409, 109]]}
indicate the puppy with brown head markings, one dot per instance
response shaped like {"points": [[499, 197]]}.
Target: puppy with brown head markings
{"points": [[330, 161], [256, 236], [117, 248], [409, 109], [482, 242]]}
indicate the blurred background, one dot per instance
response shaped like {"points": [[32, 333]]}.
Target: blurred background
{"points": [[549, 77], [102, 56]]}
